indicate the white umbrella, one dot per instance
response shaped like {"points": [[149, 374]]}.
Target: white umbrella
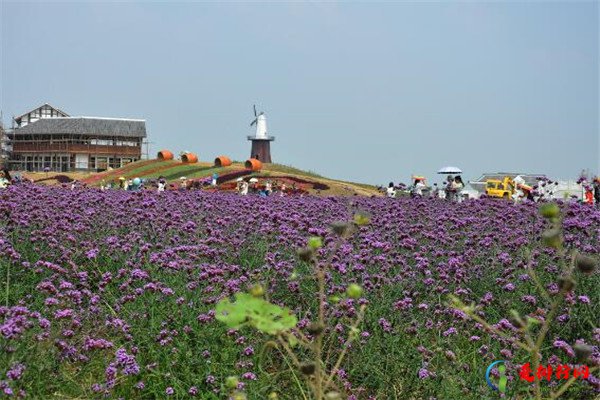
{"points": [[239, 179], [253, 180], [450, 170]]}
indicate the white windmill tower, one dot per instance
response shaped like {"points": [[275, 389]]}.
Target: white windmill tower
{"points": [[261, 141]]}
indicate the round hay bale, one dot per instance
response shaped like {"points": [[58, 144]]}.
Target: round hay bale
{"points": [[222, 161], [253, 164], [165, 155], [189, 158]]}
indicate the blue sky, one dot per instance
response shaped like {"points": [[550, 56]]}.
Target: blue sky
{"points": [[369, 92]]}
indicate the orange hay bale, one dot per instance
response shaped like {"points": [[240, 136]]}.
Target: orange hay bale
{"points": [[253, 164], [222, 161], [189, 158], [165, 155]]}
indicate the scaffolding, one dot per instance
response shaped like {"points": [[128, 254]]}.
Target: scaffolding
{"points": [[4, 146], [72, 152], [47, 138]]}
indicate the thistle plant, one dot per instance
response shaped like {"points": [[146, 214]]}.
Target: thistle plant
{"points": [[306, 352], [533, 332]]}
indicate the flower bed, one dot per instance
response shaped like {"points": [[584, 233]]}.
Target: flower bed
{"points": [[112, 294]]}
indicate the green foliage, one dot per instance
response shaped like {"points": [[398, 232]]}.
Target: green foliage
{"points": [[248, 310], [549, 210], [315, 242], [361, 219], [385, 364], [354, 291], [532, 333]]}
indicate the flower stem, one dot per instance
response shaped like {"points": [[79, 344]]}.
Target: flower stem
{"points": [[7, 282], [359, 319], [564, 387]]}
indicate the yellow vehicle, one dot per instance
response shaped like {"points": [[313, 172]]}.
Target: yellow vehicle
{"points": [[500, 188]]}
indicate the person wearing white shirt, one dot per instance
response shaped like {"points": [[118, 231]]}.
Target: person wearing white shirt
{"points": [[268, 188], [244, 188], [3, 181], [457, 186], [391, 191], [419, 186]]}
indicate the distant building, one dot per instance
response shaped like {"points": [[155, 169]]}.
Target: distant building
{"points": [[47, 137]]}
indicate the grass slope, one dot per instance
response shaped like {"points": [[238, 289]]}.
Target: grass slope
{"points": [[173, 170]]}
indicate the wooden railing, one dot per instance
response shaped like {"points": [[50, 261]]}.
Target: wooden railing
{"points": [[75, 148]]}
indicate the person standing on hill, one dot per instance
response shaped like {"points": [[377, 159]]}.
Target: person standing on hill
{"points": [[391, 190], [136, 184], [435, 193], [418, 188], [268, 188], [448, 190], [6, 175], [529, 195], [183, 183], [162, 184], [457, 187], [244, 188], [589, 196], [3, 181]]}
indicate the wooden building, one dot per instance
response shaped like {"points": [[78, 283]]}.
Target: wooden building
{"points": [[49, 138], [45, 111]]}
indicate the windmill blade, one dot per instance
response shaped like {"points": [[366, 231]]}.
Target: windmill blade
{"points": [[253, 122], [254, 105]]}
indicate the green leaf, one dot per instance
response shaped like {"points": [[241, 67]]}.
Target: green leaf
{"points": [[230, 314], [256, 312], [293, 341], [315, 242], [361, 218]]}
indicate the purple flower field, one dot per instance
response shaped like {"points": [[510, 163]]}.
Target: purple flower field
{"points": [[112, 294]]}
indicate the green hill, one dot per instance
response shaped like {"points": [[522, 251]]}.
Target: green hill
{"points": [[172, 170]]}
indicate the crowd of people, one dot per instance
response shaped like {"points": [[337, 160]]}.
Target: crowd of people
{"points": [[243, 187], [592, 191], [160, 184], [269, 188], [6, 179], [452, 190]]}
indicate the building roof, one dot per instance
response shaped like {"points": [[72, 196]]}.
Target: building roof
{"points": [[37, 108], [85, 126]]}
